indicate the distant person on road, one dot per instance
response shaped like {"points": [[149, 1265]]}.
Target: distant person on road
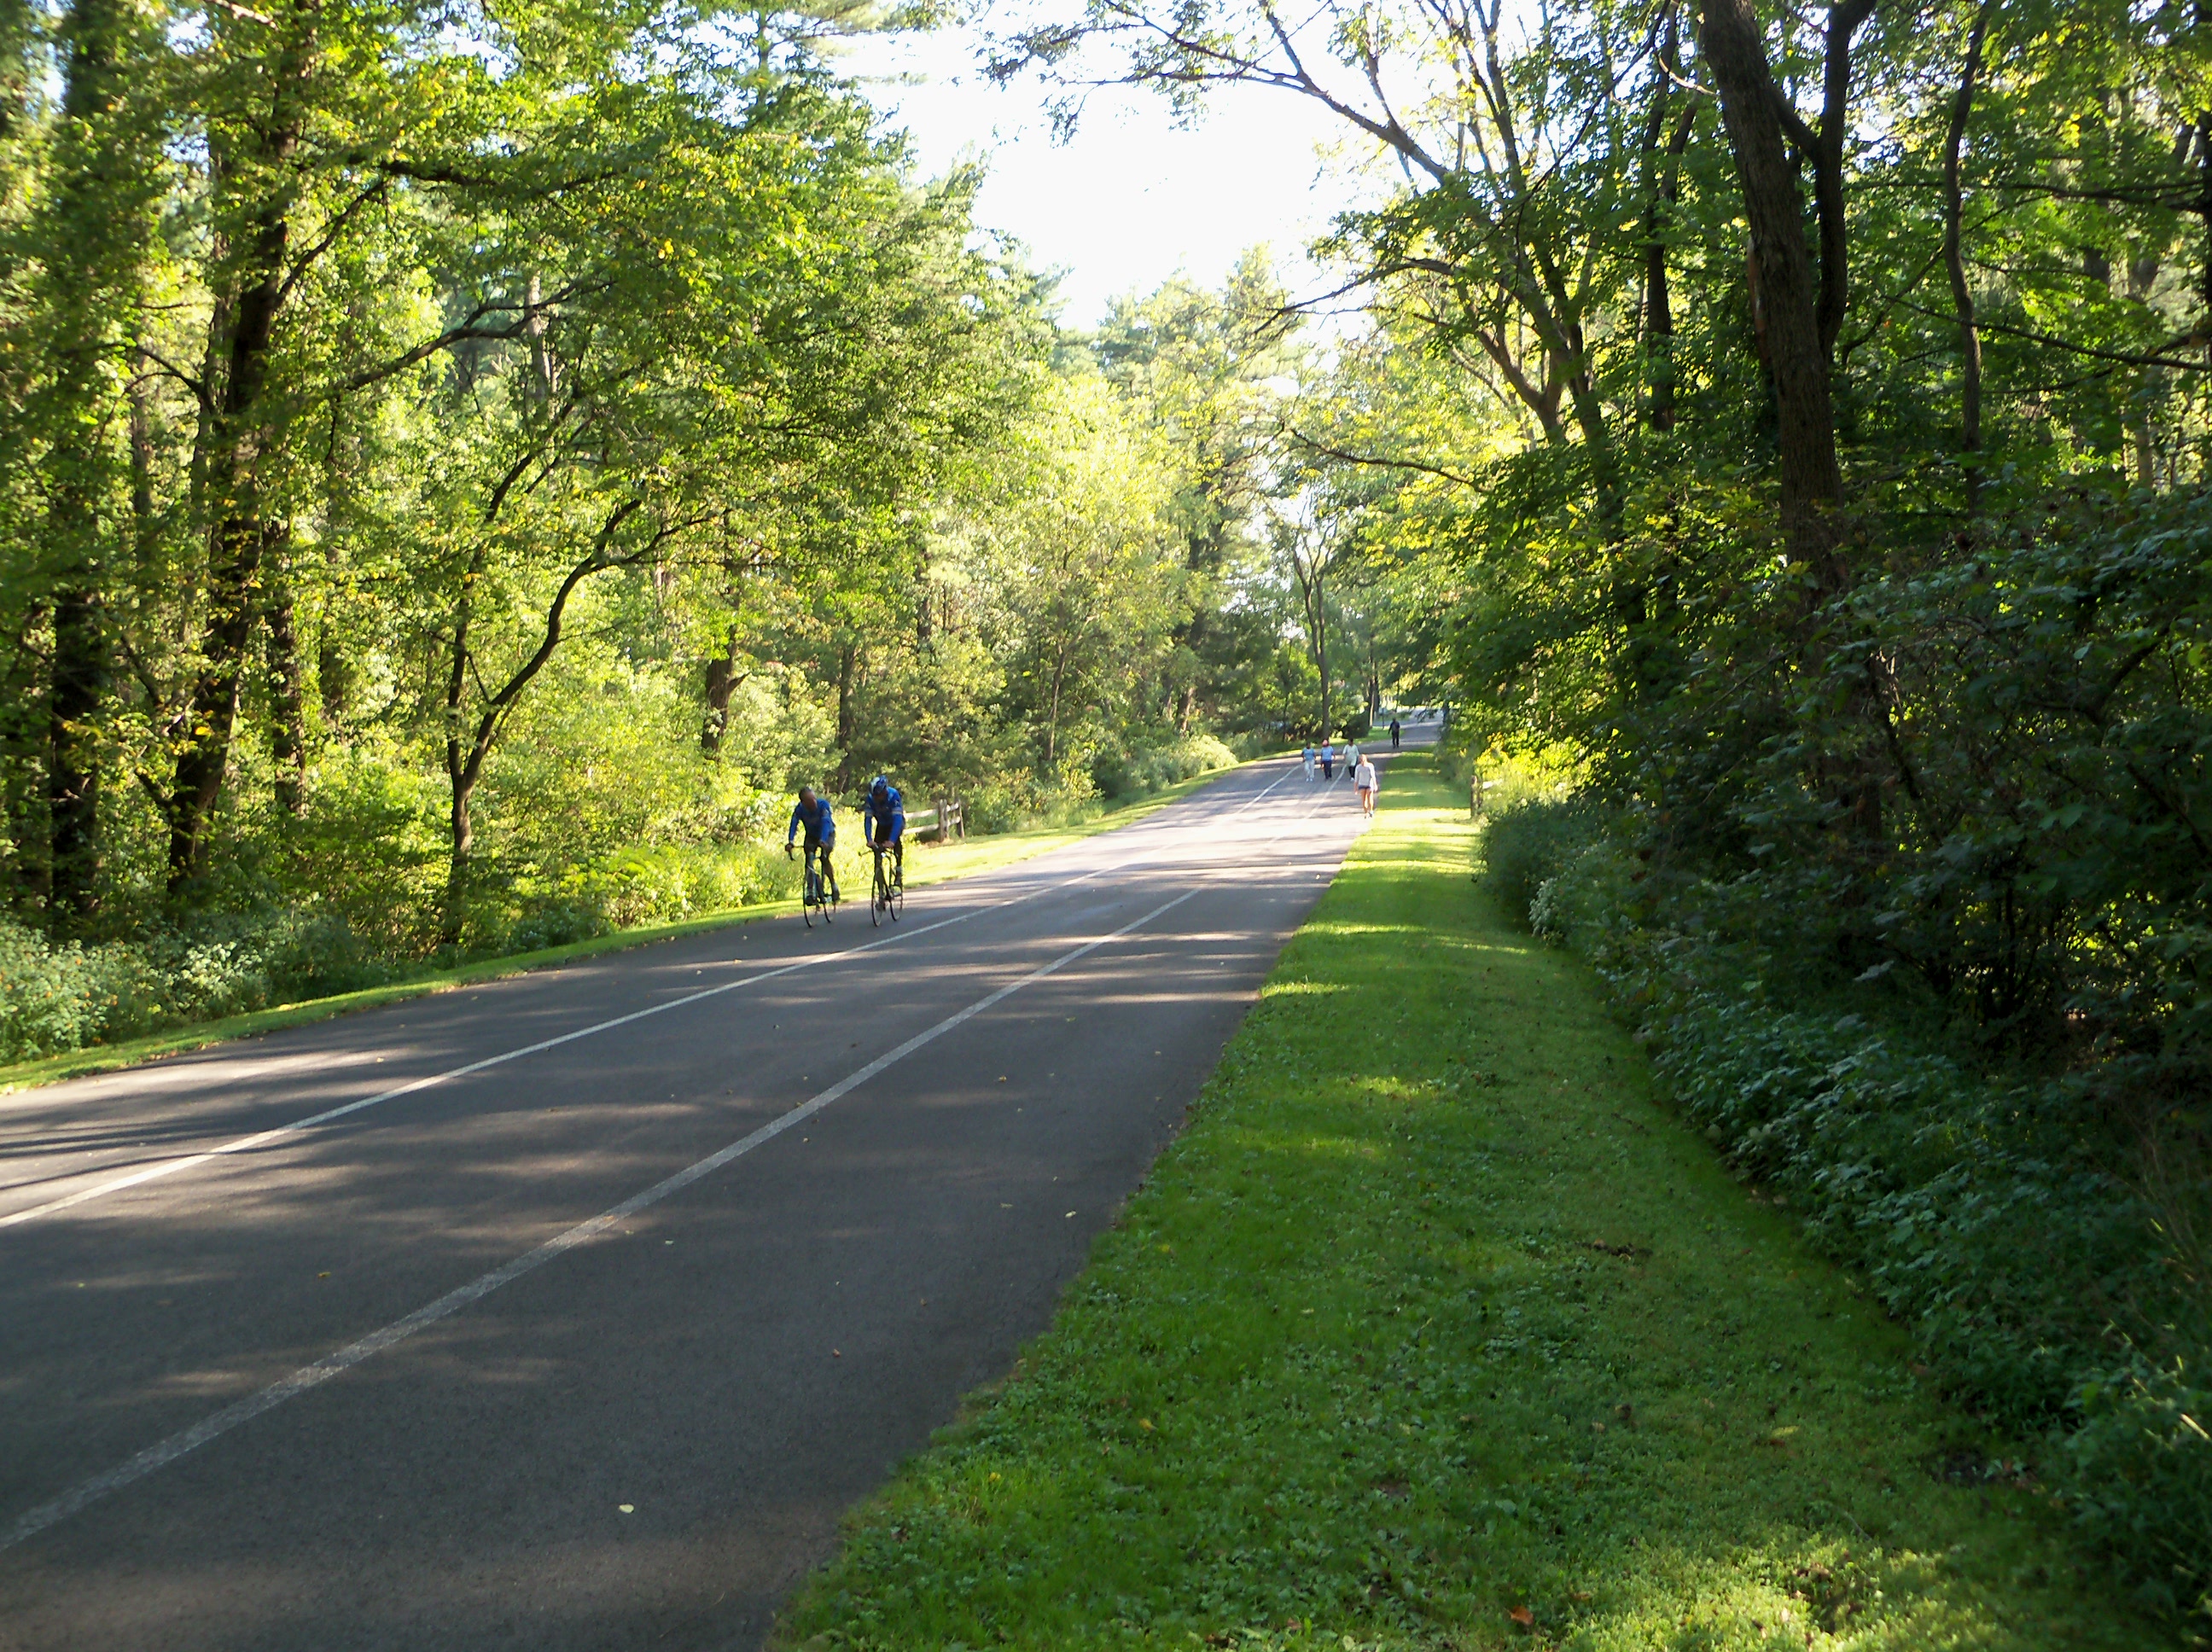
{"points": [[884, 824], [1309, 762], [1394, 734], [1327, 760], [1364, 778], [812, 816]]}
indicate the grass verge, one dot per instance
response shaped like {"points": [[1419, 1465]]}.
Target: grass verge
{"points": [[1433, 1330], [926, 864]]}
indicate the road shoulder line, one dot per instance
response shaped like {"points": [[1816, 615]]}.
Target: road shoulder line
{"points": [[165, 1452]]}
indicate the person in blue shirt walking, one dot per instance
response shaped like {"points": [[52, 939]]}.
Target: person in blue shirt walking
{"points": [[812, 814], [885, 825]]}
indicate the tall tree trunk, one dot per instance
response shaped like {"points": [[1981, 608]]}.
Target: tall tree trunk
{"points": [[288, 724], [2202, 11], [17, 32], [848, 661], [94, 233], [460, 774], [1320, 653], [75, 698], [1954, 261], [542, 372], [141, 457], [1789, 297], [1662, 189], [1658, 301], [1825, 149], [461, 846], [1052, 724], [722, 679], [2142, 276], [334, 679], [22, 747], [239, 437]]}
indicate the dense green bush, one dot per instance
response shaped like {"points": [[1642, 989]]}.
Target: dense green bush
{"points": [[2040, 1280], [664, 885], [1530, 841], [56, 997], [1152, 768], [1911, 897]]}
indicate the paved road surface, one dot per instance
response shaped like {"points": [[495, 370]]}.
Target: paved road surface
{"points": [[388, 1380]]}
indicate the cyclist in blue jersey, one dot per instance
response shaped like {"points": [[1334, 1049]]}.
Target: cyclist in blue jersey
{"points": [[885, 825], [812, 814]]}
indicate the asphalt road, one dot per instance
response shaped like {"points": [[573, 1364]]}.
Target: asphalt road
{"points": [[590, 1345]]}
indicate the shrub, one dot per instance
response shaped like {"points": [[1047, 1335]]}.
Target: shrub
{"points": [[1531, 842], [1990, 1206], [1140, 773], [666, 884], [1003, 803], [54, 999]]}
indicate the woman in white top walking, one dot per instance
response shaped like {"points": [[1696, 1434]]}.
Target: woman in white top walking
{"points": [[1366, 779]]}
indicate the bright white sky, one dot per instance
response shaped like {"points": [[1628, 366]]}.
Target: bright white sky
{"points": [[1131, 200]]}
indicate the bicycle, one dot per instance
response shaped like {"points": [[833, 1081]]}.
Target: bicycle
{"points": [[890, 893], [815, 892]]}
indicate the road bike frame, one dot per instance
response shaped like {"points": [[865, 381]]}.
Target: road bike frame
{"points": [[815, 893], [888, 898]]}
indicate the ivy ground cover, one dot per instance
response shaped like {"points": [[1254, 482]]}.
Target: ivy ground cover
{"points": [[1437, 1329]]}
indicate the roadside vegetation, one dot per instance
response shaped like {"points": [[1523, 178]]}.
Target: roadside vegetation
{"points": [[926, 863], [463, 467], [463, 470], [1437, 1327]]}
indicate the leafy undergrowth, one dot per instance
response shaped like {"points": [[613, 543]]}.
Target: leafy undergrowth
{"points": [[926, 864], [1433, 1330]]}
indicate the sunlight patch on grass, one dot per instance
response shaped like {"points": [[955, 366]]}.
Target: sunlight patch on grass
{"points": [[1435, 1331]]}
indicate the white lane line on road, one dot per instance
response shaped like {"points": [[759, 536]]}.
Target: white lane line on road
{"points": [[277, 1133], [1264, 791], [245, 1143], [160, 1456]]}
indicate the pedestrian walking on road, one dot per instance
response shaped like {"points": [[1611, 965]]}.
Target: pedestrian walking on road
{"points": [[1368, 783], [1327, 760], [1309, 762], [1394, 734]]}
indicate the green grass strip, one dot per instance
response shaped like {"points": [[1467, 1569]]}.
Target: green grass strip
{"points": [[1434, 1330], [926, 864]]}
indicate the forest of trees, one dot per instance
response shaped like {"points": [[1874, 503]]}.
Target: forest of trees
{"points": [[1782, 433], [464, 468], [463, 464]]}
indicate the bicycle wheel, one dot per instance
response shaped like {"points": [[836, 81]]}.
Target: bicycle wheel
{"points": [[809, 893], [895, 902], [879, 897]]}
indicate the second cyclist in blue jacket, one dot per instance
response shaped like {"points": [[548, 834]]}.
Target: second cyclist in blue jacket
{"points": [[886, 822], [812, 814]]}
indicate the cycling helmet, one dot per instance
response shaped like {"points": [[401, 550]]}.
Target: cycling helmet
{"points": [[879, 787]]}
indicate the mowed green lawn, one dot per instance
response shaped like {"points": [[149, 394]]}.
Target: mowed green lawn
{"points": [[1436, 1330]]}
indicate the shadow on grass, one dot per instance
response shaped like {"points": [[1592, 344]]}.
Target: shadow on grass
{"points": [[1434, 1330]]}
